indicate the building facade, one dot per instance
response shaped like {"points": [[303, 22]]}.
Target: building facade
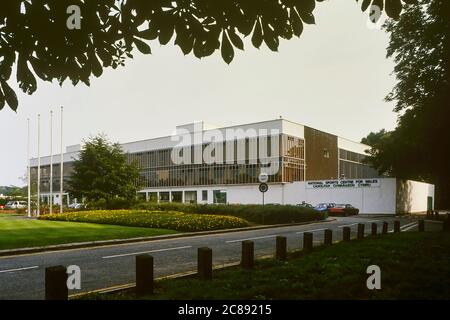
{"points": [[201, 163]]}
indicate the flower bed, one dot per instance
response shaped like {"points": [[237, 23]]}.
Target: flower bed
{"points": [[173, 220]]}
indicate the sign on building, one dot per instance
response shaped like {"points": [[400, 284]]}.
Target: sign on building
{"points": [[355, 183]]}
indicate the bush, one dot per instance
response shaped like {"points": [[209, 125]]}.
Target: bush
{"points": [[113, 204], [267, 214], [152, 219]]}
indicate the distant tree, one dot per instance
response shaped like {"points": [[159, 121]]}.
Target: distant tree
{"points": [[102, 172], [420, 145], [35, 36], [374, 137]]}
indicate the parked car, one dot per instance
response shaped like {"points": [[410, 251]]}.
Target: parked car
{"points": [[76, 206], [343, 210], [16, 205], [324, 206], [337, 209], [350, 210], [305, 205]]}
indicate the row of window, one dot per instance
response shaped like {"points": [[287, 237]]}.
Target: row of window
{"points": [[219, 196]]}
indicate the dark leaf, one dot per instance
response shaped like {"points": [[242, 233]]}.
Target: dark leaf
{"points": [[227, 49]]}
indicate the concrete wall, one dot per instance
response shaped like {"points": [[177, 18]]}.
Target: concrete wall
{"points": [[378, 199], [383, 196], [412, 196]]}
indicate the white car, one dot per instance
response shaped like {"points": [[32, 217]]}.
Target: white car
{"points": [[76, 206], [16, 205]]}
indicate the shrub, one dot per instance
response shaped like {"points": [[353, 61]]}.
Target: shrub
{"points": [[267, 214], [152, 219]]}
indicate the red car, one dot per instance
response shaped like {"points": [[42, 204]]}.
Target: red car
{"points": [[343, 210]]}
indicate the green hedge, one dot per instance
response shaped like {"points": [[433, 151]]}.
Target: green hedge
{"points": [[267, 214], [152, 219]]}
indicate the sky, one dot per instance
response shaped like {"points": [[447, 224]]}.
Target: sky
{"points": [[333, 78]]}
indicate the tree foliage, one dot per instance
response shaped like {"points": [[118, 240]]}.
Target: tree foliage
{"points": [[102, 172], [34, 34], [420, 145]]}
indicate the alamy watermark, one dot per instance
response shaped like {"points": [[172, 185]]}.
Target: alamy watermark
{"points": [[227, 146], [374, 280]]}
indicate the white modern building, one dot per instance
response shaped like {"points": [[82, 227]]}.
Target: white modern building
{"points": [[205, 164]]}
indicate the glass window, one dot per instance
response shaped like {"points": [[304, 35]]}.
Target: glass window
{"points": [[153, 196], [177, 196], [220, 196], [164, 196], [190, 196], [204, 195]]}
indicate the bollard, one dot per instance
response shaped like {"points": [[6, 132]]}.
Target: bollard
{"points": [[396, 226], [328, 237], [374, 229], [421, 225], [360, 234], [446, 224], [281, 248], [56, 283], [248, 254], [307, 242], [346, 234], [385, 227], [204, 266], [144, 274]]}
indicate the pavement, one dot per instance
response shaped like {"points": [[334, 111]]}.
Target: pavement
{"points": [[22, 276]]}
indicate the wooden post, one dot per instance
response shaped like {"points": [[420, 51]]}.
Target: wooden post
{"points": [[385, 227], [307, 242], [144, 274], [446, 224], [204, 266], [374, 229], [346, 231], [281, 250], [328, 237], [421, 225], [396, 226], [360, 234], [248, 254], [56, 283]]}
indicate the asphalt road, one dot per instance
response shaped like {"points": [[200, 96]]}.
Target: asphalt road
{"points": [[22, 277]]}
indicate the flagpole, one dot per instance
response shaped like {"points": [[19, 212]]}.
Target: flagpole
{"points": [[39, 168], [51, 163], [28, 169], [61, 166]]}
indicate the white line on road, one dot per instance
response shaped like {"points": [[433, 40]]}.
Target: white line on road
{"points": [[315, 230], [352, 224], [410, 227], [150, 251], [19, 269], [348, 225], [255, 238]]}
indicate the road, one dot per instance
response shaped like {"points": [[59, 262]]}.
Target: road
{"points": [[22, 277]]}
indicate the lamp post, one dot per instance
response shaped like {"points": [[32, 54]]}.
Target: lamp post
{"points": [[61, 166]]}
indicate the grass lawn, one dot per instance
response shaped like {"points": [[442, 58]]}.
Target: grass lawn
{"points": [[413, 266], [20, 233]]}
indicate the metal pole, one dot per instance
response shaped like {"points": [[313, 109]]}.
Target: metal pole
{"points": [[29, 170], [61, 167], [38, 203], [51, 163]]}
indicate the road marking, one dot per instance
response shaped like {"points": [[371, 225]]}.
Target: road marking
{"points": [[19, 269], [410, 227], [150, 251], [348, 225], [315, 230], [255, 238]]}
